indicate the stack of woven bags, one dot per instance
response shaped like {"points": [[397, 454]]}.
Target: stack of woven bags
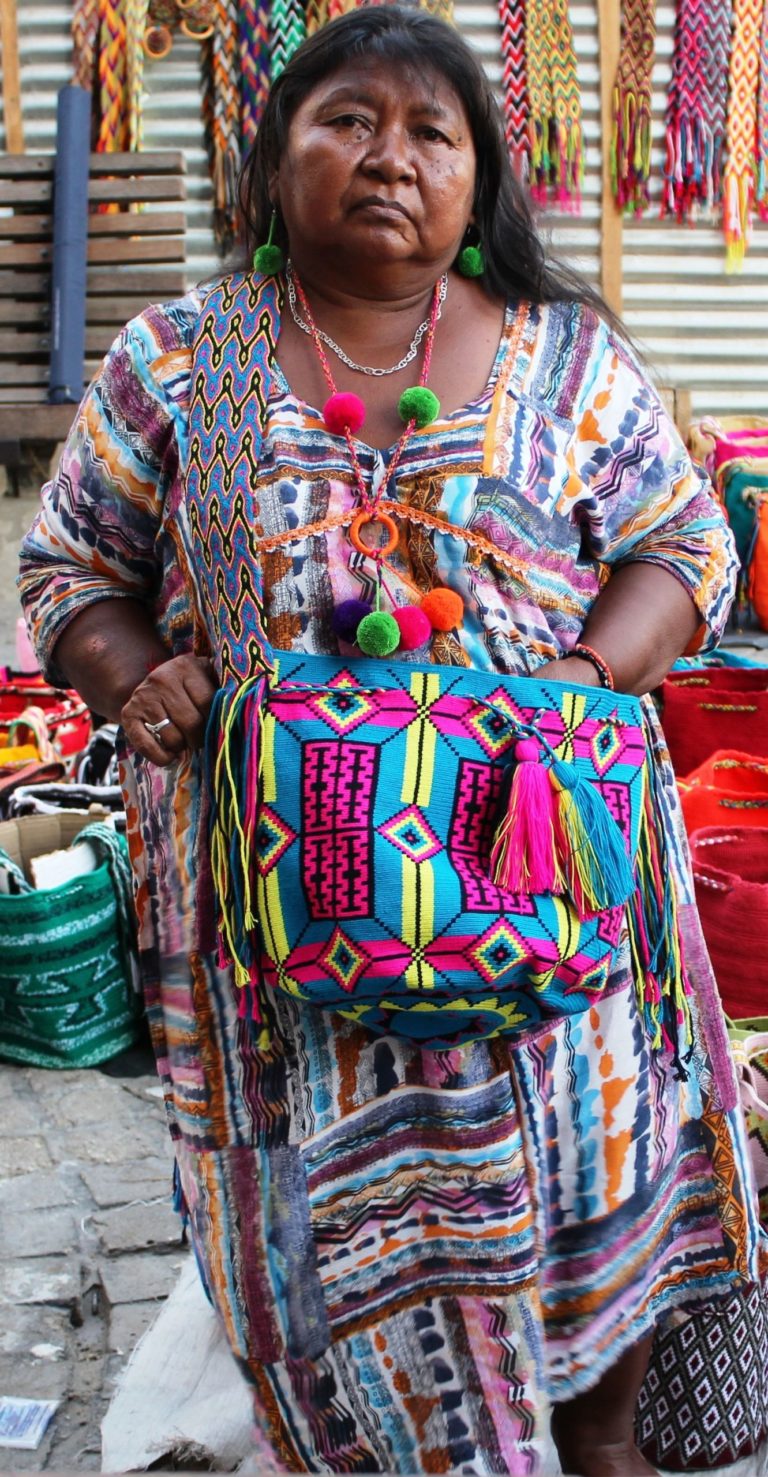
{"points": [[68, 979], [715, 717]]}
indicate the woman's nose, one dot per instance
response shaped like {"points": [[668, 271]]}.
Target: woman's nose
{"points": [[389, 155]]}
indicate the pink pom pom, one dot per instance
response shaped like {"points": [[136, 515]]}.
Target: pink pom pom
{"points": [[415, 626], [344, 412], [527, 751]]}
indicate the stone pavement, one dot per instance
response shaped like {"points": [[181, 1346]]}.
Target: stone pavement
{"points": [[89, 1242]]}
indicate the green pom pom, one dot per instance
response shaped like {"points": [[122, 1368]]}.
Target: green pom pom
{"points": [[418, 404], [378, 634], [471, 262], [269, 260]]}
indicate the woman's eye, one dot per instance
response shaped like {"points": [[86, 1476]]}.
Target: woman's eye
{"points": [[349, 120], [432, 135]]}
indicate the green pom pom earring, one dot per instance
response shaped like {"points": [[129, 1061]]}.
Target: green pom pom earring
{"points": [[470, 260], [269, 258]]}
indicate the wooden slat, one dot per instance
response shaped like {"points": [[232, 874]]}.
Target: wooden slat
{"points": [[160, 249], [17, 227], [22, 344], [25, 284], [9, 44], [23, 374], [611, 220], [134, 223], [115, 310], [151, 187], [42, 422], [161, 161], [25, 192], [26, 166], [101, 338], [158, 283], [36, 314], [29, 254]]}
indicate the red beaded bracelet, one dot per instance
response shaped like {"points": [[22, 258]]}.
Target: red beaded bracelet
{"points": [[597, 661]]}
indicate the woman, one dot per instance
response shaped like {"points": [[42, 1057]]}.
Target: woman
{"points": [[357, 1292]]}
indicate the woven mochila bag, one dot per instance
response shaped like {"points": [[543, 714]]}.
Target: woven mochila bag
{"points": [[428, 851]]}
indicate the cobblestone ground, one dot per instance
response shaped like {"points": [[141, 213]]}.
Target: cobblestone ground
{"points": [[89, 1243]]}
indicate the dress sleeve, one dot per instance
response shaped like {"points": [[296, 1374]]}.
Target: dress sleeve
{"points": [[94, 538], [645, 501]]}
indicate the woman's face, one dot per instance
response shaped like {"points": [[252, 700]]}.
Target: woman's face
{"points": [[379, 166]]}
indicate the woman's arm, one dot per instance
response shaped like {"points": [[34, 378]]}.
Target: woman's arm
{"points": [[112, 654], [640, 624]]}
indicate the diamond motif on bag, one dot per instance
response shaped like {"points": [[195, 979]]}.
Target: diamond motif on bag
{"points": [[411, 833], [346, 707], [344, 960], [494, 730], [498, 950], [605, 746], [273, 837]]}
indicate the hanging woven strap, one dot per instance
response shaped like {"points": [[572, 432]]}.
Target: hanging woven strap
{"points": [[110, 849], [136, 12], [762, 122], [631, 134], [287, 29], [568, 160], [696, 107], [221, 117], [513, 81], [739, 180], [254, 45], [85, 42], [555, 104], [113, 77]]}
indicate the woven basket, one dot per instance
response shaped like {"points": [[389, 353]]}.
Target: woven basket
{"points": [[66, 990], [729, 789], [730, 869]]}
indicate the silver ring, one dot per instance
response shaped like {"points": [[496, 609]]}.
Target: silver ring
{"points": [[154, 728]]}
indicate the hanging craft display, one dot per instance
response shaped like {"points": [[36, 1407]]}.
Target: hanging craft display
{"points": [[739, 179], [631, 132], [135, 21], [696, 107], [761, 195], [514, 86], [221, 117], [287, 29], [85, 42], [113, 78], [555, 104], [254, 45]]}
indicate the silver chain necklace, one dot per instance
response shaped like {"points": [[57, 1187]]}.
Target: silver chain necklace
{"points": [[345, 359]]}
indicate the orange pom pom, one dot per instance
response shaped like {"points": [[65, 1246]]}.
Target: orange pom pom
{"points": [[444, 608]]}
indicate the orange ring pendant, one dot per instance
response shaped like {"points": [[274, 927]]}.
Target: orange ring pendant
{"points": [[360, 520]]}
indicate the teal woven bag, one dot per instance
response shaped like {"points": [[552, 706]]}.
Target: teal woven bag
{"points": [[67, 960]]}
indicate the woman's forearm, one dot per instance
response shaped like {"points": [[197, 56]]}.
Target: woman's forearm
{"points": [[106, 651], [640, 624]]}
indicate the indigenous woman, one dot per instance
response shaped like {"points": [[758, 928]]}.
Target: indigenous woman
{"points": [[414, 1251]]}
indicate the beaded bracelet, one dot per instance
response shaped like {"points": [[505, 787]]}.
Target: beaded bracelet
{"points": [[597, 661]]}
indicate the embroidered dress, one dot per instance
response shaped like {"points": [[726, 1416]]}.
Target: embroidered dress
{"points": [[411, 1250]]}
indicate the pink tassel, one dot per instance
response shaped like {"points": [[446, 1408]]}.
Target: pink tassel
{"points": [[523, 855]]}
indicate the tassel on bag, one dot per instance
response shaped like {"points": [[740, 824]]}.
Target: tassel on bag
{"points": [[232, 763], [558, 835]]}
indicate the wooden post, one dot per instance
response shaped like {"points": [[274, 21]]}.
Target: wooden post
{"points": [[611, 219], [9, 49]]}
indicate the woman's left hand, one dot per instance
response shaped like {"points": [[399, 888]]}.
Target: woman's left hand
{"points": [[165, 716]]}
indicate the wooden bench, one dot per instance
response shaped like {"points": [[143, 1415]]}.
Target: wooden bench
{"points": [[135, 257]]}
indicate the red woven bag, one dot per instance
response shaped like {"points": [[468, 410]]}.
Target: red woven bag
{"points": [[707, 709], [728, 789], [730, 869]]}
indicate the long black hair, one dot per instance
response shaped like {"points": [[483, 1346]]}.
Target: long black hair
{"points": [[517, 265]]}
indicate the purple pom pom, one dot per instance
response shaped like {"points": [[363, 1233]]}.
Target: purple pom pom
{"points": [[347, 617]]}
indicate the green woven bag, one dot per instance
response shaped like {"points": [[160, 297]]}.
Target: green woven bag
{"points": [[67, 959]]}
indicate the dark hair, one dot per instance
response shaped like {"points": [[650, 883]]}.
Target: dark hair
{"points": [[517, 265]]}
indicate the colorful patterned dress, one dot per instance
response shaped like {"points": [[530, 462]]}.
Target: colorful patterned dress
{"points": [[413, 1251]]}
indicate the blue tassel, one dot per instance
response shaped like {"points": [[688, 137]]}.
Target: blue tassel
{"points": [[593, 852]]}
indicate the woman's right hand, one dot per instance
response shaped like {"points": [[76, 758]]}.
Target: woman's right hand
{"points": [[181, 690]]}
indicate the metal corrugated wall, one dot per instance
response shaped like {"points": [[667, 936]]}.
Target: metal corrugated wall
{"points": [[701, 328]]}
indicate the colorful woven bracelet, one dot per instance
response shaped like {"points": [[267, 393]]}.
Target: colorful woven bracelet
{"points": [[597, 661]]}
